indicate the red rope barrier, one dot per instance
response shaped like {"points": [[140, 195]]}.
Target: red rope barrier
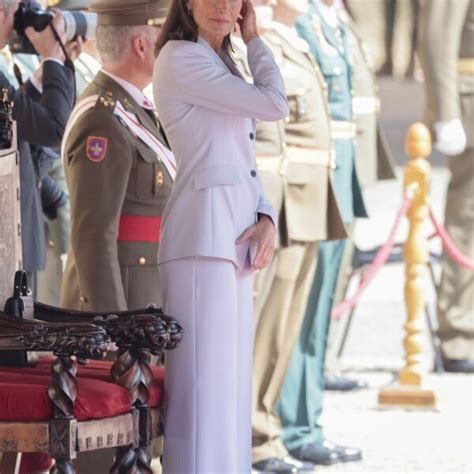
{"points": [[380, 259], [449, 246]]}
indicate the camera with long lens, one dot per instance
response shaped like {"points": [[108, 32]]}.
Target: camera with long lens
{"points": [[76, 23]]}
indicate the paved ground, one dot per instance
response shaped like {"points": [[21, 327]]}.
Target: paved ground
{"points": [[398, 441]]}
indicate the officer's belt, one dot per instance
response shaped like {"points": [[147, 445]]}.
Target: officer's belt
{"points": [[466, 66], [342, 130], [139, 229], [310, 156], [365, 105], [271, 163]]}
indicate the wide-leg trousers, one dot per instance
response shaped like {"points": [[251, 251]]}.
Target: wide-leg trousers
{"points": [[209, 376]]}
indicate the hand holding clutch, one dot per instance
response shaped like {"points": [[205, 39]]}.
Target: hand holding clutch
{"points": [[261, 237]]}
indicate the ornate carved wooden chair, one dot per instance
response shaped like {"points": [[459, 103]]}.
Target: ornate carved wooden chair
{"points": [[40, 413], [138, 335]]}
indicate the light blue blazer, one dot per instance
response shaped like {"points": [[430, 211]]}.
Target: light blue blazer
{"points": [[208, 112]]}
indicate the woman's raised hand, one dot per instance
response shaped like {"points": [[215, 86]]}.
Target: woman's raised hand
{"points": [[248, 22]]}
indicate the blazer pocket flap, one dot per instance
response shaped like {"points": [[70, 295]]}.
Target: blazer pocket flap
{"points": [[146, 153], [330, 68], [216, 176]]}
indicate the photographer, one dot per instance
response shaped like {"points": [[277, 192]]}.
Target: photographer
{"points": [[39, 123]]}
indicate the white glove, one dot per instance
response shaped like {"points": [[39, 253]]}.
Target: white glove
{"points": [[450, 137]]}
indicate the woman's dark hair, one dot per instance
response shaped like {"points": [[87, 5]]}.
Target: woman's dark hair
{"points": [[180, 25]]}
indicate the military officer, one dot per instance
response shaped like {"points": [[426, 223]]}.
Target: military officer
{"points": [[373, 163], [447, 58], [118, 168], [301, 397], [309, 215]]}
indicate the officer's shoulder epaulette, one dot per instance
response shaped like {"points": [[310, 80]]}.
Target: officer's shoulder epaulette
{"points": [[106, 101]]}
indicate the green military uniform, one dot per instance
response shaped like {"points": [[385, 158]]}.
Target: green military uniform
{"points": [[373, 157], [310, 214], [447, 57], [301, 397], [118, 188]]}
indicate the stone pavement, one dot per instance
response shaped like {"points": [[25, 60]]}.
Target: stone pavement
{"points": [[397, 441]]}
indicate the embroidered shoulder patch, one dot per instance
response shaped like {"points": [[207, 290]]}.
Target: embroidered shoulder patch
{"points": [[96, 148]]}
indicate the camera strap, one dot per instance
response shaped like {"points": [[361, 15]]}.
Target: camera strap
{"points": [[67, 63], [17, 72]]}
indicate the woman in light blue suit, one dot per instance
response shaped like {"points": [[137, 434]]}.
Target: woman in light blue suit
{"points": [[217, 228]]}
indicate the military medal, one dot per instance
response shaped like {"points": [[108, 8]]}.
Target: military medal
{"points": [[159, 178]]}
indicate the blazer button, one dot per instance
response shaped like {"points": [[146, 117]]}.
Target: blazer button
{"points": [[251, 136], [253, 173], [83, 299], [142, 261]]}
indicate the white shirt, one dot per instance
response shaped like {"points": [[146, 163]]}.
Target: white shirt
{"points": [[329, 13]]}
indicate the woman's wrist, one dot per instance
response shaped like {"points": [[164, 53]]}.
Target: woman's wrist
{"points": [[249, 38], [264, 217]]}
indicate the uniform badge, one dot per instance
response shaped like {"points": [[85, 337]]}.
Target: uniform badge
{"points": [[96, 148], [159, 178]]}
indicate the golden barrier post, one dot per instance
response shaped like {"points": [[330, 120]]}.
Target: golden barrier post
{"points": [[416, 254]]}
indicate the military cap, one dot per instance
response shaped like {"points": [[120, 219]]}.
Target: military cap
{"points": [[130, 13], [69, 4]]}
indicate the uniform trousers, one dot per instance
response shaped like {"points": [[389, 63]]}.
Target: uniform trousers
{"points": [[337, 326], [456, 294], [301, 397], [209, 375], [275, 338]]}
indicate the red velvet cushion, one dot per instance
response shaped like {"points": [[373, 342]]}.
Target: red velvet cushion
{"points": [[99, 370], [35, 462], [24, 397]]}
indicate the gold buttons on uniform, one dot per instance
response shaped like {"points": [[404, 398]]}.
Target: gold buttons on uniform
{"points": [[142, 261], [83, 299], [159, 178]]}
